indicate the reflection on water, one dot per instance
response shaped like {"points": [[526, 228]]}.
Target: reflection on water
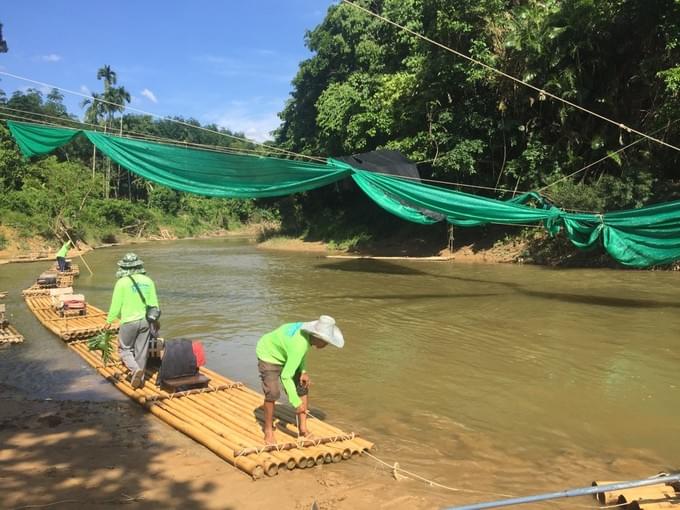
{"points": [[523, 375]]}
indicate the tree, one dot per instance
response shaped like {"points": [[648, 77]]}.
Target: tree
{"points": [[108, 75]]}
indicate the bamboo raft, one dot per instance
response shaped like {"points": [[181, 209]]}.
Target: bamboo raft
{"points": [[225, 416], [8, 333], [67, 328], [651, 497], [63, 280], [73, 271]]}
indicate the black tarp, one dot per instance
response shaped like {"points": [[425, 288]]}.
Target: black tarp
{"points": [[386, 161], [383, 161]]}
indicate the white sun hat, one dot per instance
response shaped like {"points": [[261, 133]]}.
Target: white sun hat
{"points": [[325, 329]]}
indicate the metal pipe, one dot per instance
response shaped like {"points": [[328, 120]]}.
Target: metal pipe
{"points": [[569, 493]]}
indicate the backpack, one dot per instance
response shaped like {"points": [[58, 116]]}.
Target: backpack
{"points": [[178, 360]]}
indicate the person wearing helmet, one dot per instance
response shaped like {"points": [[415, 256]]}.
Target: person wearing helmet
{"points": [[133, 294], [281, 356]]}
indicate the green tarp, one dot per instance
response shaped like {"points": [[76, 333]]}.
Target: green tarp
{"points": [[203, 172], [637, 238]]}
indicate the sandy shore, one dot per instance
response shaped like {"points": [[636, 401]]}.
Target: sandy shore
{"points": [[79, 454]]}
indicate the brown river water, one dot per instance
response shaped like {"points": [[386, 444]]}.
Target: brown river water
{"points": [[507, 379]]}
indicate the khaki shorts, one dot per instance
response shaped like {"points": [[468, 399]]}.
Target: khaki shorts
{"points": [[270, 374]]}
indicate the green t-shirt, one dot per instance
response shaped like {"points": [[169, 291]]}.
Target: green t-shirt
{"points": [[126, 304], [64, 249], [287, 346]]}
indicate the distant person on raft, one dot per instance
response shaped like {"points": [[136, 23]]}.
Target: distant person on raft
{"points": [[281, 356], [61, 256], [132, 309]]}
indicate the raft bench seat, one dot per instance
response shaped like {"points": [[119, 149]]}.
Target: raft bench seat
{"points": [[186, 383], [61, 291], [65, 302]]}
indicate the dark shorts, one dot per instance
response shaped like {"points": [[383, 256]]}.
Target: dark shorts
{"points": [[270, 375]]}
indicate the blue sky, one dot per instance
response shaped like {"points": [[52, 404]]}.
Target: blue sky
{"points": [[229, 62]]}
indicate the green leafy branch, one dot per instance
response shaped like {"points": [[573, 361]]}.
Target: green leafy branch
{"points": [[103, 343]]}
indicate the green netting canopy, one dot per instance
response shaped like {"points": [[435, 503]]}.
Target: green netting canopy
{"points": [[637, 238]]}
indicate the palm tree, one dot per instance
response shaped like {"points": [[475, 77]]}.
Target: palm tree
{"points": [[95, 109], [104, 106], [116, 98], [93, 115], [109, 76], [3, 43]]}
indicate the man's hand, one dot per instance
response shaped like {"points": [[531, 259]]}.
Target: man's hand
{"points": [[305, 381], [301, 409]]}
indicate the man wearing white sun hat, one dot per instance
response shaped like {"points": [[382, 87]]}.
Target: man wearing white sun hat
{"points": [[281, 356]]}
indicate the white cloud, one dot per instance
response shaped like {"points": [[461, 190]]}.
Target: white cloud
{"points": [[85, 90], [240, 117], [149, 95], [52, 57]]}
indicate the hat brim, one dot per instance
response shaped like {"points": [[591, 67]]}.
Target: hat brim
{"points": [[336, 340]]}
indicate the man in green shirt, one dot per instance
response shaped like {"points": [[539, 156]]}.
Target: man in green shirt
{"points": [[128, 306], [61, 256], [281, 356]]}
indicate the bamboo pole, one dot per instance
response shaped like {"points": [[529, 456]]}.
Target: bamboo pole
{"points": [[200, 419], [270, 463], [183, 408], [247, 397], [320, 453], [222, 449], [74, 245], [233, 416], [299, 455]]}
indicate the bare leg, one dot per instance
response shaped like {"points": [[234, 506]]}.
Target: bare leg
{"points": [[269, 422], [302, 417]]}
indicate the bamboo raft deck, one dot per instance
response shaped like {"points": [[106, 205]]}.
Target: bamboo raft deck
{"points": [[73, 271], [63, 280], [225, 417], [74, 327], [10, 335]]}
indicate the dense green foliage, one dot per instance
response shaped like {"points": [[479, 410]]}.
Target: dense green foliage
{"points": [[369, 84]]}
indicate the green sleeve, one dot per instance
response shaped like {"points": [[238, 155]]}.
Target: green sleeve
{"points": [[116, 303], [295, 358], [63, 251]]}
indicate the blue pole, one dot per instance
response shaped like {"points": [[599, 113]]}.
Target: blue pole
{"points": [[570, 493]]}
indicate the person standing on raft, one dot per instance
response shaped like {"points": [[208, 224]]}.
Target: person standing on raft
{"points": [[131, 308], [61, 256], [281, 356]]}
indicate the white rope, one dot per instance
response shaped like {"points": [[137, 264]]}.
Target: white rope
{"points": [[135, 134], [510, 77], [604, 157], [217, 148], [169, 119]]}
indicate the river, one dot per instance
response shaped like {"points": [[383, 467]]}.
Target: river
{"points": [[504, 377]]}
